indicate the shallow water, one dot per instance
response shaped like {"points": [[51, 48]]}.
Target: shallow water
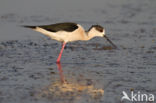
{"points": [[90, 72]]}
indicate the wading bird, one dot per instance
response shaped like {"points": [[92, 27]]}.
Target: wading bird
{"points": [[69, 32]]}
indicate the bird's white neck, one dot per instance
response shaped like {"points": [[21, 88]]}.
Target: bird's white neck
{"points": [[89, 35]]}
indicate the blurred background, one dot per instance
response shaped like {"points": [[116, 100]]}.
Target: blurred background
{"points": [[93, 72]]}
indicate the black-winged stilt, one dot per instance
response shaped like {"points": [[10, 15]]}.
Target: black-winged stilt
{"points": [[69, 32]]}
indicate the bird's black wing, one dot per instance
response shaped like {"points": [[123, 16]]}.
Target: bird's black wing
{"points": [[69, 27]]}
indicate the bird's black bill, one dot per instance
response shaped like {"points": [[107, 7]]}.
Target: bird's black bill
{"points": [[110, 41]]}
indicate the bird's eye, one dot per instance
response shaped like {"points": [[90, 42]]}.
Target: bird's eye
{"points": [[101, 30]]}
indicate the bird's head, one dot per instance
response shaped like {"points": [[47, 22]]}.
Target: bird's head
{"points": [[97, 30]]}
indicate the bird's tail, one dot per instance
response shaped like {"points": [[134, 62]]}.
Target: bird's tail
{"points": [[31, 27]]}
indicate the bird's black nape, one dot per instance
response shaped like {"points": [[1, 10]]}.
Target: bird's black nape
{"points": [[97, 27]]}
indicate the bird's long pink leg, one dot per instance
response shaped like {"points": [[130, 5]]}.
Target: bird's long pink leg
{"points": [[59, 57]]}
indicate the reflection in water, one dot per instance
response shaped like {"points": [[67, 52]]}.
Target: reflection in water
{"points": [[68, 91], [60, 72]]}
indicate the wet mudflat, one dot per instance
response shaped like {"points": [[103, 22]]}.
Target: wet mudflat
{"points": [[29, 72], [89, 72]]}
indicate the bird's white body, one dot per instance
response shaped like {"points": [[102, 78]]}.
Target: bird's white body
{"points": [[64, 36]]}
